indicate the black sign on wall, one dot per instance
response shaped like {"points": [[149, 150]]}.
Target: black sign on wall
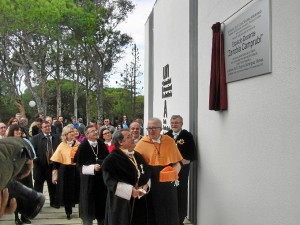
{"points": [[166, 93]]}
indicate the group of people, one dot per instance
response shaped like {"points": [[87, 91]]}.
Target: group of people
{"points": [[118, 176]]}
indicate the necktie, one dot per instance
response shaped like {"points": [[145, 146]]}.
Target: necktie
{"points": [[49, 148]]}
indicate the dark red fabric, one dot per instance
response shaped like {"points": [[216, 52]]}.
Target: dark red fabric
{"points": [[218, 88]]}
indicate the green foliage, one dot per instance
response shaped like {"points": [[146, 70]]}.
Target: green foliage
{"points": [[139, 107], [49, 41], [8, 109], [117, 103], [32, 15], [67, 88]]}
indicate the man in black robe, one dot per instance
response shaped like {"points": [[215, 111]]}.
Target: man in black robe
{"points": [[89, 157], [127, 178], [186, 145]]}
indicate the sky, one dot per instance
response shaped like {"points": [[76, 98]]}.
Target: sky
{"points": [[135, 27]]}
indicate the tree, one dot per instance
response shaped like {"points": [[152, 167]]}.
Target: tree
{"points": [[29, 29], [106, 43], [61, 39], [9, 73], [130, 78]]}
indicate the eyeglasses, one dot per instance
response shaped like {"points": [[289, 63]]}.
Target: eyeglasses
{"points": [[152, 128], [106, 133]]}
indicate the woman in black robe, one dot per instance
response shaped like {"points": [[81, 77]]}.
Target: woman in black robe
{"points": [[65, 174]]}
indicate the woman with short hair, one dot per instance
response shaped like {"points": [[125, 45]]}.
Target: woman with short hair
{"points": [[65, 174]]}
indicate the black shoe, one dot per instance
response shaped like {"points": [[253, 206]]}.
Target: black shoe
{"points": [[100, 222], [18, 221], [54, 206], [68, 216], [25, 220]]}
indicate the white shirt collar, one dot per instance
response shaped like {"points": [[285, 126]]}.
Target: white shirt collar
{"points": [[93, 143], [158, 140], [47, 135], [129, 153], [70, 143], [107, 143], [176, 133]]}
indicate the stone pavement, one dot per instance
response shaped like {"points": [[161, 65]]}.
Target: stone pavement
{"points": [[52, 216], [47, 216]]}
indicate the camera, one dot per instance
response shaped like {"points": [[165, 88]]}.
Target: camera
{"points": [[29, 201]]}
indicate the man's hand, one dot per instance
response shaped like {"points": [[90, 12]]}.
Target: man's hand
{"points": [[97, 167], [135, 193], [3, 203], [54, 177], [185, 161], [177, 167]]}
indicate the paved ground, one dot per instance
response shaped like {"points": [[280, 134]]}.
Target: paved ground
{"points": [[51, 216], [47, 216]]}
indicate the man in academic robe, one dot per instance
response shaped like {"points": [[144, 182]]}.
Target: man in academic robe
{"points": [[135, 130], [127, 178], [187, 147], [89, 157], [160, 152]]}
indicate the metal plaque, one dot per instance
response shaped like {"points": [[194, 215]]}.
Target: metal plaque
{"points": [[248, 43]]}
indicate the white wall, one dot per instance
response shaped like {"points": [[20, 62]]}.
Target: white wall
{"points": [[249, 171], [250, 158], [170, 47]]}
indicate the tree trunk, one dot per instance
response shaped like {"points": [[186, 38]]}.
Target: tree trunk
{"points": [[87, 104], [99, 83], [76, 91], [58, 82], [41, 75], [58, 97]]}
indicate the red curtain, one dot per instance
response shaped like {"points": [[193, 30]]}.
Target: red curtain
{"points": [[218, 88]]}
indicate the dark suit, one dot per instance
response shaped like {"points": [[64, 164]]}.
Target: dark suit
{"points": [[53, 129], [35, 130], [188, 151], [42, 171]]}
